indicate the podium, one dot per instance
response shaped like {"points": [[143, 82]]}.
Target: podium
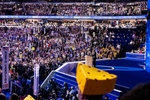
{"points": [[89, 60]]}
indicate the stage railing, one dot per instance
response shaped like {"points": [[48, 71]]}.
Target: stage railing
{"points": [[44, 84], [135, 55]]}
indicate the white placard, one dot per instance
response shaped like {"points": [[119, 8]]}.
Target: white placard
{"points": [[36, 79], [88, 60]]}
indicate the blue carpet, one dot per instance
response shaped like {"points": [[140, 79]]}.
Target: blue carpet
{"points": [[121, 62]]}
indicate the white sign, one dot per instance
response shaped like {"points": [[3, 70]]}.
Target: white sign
{"points": [[5, 68], [89, 60], [36, 79]]}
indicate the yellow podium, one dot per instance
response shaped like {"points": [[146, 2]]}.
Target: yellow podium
{"points": [[92, 81]]}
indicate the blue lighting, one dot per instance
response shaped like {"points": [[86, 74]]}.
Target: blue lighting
{"points": [[72, 17], [148, 46], [148, 4]]}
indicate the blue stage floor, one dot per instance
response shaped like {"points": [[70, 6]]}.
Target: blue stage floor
{"points": [[130, 72]]}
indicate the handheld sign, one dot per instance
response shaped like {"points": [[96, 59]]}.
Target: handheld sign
{"points": [[88, 60]]}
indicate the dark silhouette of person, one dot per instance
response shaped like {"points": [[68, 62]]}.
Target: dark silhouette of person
{"points": [[140, 92]]}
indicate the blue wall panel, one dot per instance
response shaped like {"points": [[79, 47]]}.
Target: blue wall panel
{"points": [[148, 46], [148, 41]]}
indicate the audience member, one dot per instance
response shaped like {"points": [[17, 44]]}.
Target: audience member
{"points": [[14, 97], [2, 96], [140, 92]]}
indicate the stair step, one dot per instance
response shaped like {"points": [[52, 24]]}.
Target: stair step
{"points": [[112, 96], [66, 76], [122, 88], [65, 79], [61, 82], [116, 92]]}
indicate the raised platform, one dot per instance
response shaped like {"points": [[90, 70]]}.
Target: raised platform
{"points": [[130, 72]]}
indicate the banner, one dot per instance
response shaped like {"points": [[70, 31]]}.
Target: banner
{"points": [[73, 17], [36, 79], [5, 68]]}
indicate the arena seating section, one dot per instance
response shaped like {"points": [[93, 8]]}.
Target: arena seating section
{"points": [[130, 70], [124, 36]]}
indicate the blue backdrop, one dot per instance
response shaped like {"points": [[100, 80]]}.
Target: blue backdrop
{"points": [[148, 46]]}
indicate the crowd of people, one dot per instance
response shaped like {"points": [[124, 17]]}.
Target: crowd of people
{"points": [[44, 43], [139, 50], [70, 9], [57, 91], [116, 24], [51, 43], [71, 94], [137, 39], [99, 9]]}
